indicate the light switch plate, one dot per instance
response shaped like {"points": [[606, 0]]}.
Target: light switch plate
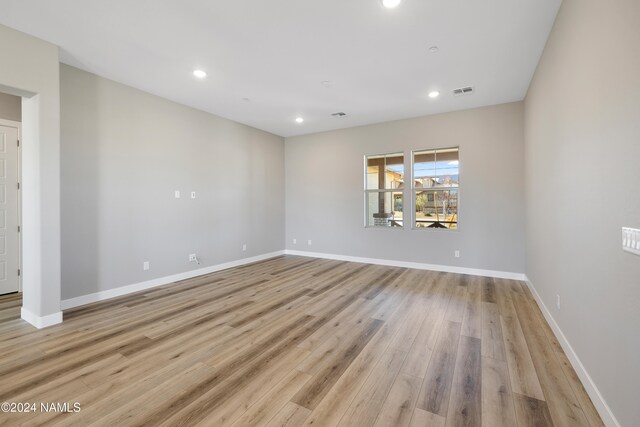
{"points": [[631, 240]]}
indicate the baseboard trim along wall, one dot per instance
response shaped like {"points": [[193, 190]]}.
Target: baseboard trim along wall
{"points": [[416, 265], [136, 287], [41, 321], [601, 405]]}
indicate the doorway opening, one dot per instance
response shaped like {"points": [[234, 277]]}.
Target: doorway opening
{"points": [[10, 200]]}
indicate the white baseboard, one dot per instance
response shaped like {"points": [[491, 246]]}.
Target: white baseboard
{"points": [[416, 265], [598, 401], [136, 287], [41, 321]]}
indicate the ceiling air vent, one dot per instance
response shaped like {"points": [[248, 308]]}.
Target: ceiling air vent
{"points": [[339, 114], [463, 91]]}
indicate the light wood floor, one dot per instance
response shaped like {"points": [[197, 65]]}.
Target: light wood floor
{"points": [[297, 341]]}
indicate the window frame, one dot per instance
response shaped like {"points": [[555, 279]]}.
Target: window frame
{"points": [[367, 191], [413, 191]]}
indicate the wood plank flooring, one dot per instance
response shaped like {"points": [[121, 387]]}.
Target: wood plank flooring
{"points": [[294, 341]]}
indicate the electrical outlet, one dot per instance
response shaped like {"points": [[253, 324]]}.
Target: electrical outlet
{"points": [[177, 194], [558, 301], [244, 247], [193, 258], [309, 242], [295, 241], [193, 194], [145, 265], [457, 254]]}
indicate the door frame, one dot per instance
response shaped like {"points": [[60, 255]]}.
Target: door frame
{"points": [[18, 126]]}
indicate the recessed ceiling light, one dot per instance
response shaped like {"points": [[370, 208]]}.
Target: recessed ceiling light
{"points": [[434, 94], [299, 120], [199, 74], [434, 49], [390, 4]]}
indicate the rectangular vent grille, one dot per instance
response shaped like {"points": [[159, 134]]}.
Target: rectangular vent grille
{"points": [[468, 90]]}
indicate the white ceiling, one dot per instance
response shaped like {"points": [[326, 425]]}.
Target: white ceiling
{"points": [[277, 53]]}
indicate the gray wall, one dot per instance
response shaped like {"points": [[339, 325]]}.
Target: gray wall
{"points": [[125, 152], [33, 73], [10, 107], [583, 179], [325, 198]]}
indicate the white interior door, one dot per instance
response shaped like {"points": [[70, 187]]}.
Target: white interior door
{"points": [[9, 248]]}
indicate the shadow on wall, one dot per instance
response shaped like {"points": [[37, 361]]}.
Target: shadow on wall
{"points": [[10, 107]]}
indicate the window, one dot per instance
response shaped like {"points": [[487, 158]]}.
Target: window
{"points": [[384, 183], [436, 188]]}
